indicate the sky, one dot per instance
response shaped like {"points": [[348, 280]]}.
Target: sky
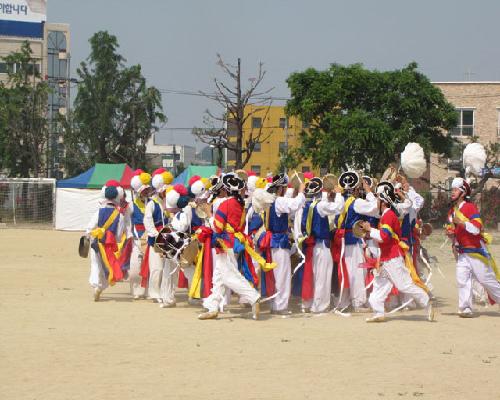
{"points": [[176, 42]]}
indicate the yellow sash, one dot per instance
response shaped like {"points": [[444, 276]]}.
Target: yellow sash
{"points": [[98, 232], [309, 220], [195, 288], [344, 211], [140, 204], [407, 256]]}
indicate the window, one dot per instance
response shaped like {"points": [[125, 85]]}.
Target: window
{"points": [[256, 169], [282, 149], [283, 123], [257, 147], [17, 67], [306, 169], [465, 125], [256, 122], [56, 45]]}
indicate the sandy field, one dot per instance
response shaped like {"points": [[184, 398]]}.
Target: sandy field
{"points": [[56, 343]]}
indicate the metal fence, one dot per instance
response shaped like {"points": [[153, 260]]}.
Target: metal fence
{"points": [[27, 202]]}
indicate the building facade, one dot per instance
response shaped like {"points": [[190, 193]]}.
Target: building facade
{"points": [[21, 21], [477, 105], [277, 134], [478, 109], [169, 155]]}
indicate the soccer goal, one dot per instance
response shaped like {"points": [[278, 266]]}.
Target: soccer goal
{"points": [[27, 202]]}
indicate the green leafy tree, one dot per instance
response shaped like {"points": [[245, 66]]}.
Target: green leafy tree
{"points": [[115, 111], [23, 122], [363, 119]]}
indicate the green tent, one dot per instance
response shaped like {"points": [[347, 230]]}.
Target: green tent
{"points": [[204, 171]]}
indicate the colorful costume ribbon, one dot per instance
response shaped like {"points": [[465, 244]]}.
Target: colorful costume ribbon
{"points": [[201, 285], [248, 245], [268, 283]]}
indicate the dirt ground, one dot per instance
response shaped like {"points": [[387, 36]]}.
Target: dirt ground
{"points": [[56, 343]]}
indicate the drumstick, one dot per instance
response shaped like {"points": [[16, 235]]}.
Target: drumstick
{"points": [[298, 176]]}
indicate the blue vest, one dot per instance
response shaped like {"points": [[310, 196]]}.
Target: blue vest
{"points": [[138, 219], [407, 230], [195, 220], [104, 214], [374, 221], [158, 220], [351, 218], [278, 226], [320, 228], [255, 223]]}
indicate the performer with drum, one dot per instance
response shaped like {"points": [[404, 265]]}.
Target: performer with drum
{"points": [[155, 219]]}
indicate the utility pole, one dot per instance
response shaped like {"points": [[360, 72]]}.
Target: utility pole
{"points": [[173, 162], [134, 135], [239, 119], [286, 141]]}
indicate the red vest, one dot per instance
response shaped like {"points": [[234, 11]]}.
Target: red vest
{"points": [[462, 237], [389, 247], [230, 212]]}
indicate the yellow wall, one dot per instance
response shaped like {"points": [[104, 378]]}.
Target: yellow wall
{"points": [[269, 157]]}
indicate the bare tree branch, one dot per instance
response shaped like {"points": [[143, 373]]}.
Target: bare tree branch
{"points": [[234, 100]]}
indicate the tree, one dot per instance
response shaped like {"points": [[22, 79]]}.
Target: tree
{"points": [[233, 98], [23, 122], [363, 119], [115, 111]]}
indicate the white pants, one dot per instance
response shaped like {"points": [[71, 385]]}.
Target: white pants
{"points": [[155, 273], [468, 267], [97, 279], [394, 273], [478, 292], [226, 274], [169, 281], [322, 273], [356, 295], [282, 277], [373, 248], [135, 268]]}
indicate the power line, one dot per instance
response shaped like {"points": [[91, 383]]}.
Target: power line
{"points": [[215, 95]]}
